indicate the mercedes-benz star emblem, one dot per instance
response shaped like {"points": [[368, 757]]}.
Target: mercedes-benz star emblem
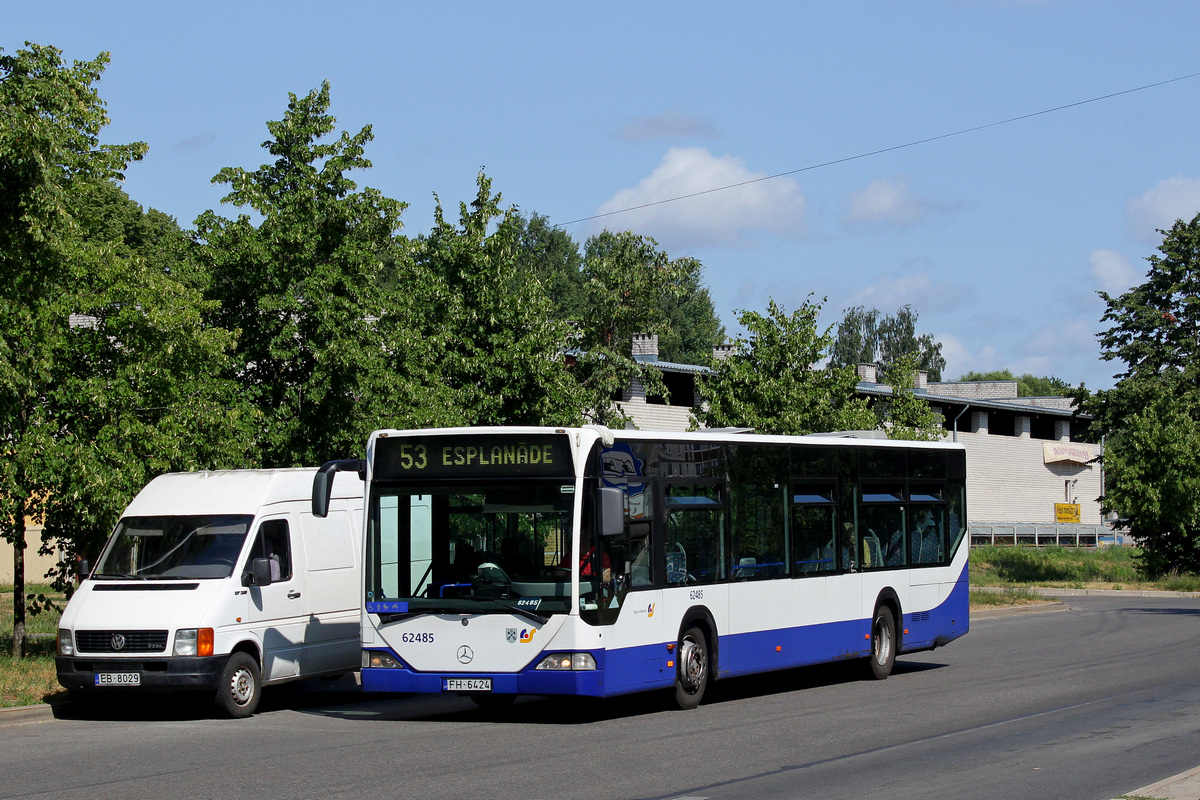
{"points": [[465, 654], [118, 641]]}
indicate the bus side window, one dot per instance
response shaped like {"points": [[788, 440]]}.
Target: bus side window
{"points": [[694, 546], [814, 528], [881, 526]]}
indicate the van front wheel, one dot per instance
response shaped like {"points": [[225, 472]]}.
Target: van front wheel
{"points": [[240, 686]]}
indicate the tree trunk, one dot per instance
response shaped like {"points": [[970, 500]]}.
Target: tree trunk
{"points": [[18, 648]]}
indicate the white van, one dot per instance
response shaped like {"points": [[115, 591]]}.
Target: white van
{"points": [[223, 582]]}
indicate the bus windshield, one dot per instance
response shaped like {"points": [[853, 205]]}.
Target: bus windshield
{"points": [[478, 547], [199, 546]]}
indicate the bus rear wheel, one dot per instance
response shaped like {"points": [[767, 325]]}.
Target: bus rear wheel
{"points": [[883, 643], [691, 672]]}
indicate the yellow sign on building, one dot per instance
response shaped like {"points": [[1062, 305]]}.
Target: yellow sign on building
{"points": [[1066, 512]]}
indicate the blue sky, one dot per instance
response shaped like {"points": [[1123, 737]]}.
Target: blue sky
{"points": [[999, 238]]}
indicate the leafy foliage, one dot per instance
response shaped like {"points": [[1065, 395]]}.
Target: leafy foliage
{"points": [[91, 408], [904, 414], [1151, 417], [325, 345], [626, 278], [500, 353], [870, 337], [682, 315], [773, 382]]}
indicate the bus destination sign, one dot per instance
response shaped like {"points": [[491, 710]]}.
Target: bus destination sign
{"points": [[471, 455]]}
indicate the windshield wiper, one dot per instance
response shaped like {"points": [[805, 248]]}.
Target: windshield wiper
{"points": [[119, 576], [524, 612]]}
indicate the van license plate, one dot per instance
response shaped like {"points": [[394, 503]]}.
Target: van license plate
{"points": [[467, 685], [118, 679]]}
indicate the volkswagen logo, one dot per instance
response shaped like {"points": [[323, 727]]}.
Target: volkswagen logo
{"points": [[118, 641], [465, 654]]}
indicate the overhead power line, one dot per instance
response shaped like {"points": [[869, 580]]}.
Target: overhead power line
{"points": [[914, 143]]}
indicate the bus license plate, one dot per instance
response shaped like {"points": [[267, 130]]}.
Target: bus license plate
{"points": [[467, 685], [118, 679]]}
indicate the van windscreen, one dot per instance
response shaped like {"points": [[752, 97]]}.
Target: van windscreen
{"points": [[194, 546]]}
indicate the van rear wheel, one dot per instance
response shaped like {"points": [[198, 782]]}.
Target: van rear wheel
{"points": [[240, 686]]}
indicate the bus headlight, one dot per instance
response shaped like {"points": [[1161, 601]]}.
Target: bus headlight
{"points": [[377, 659], [568, 661], [66, 645]]}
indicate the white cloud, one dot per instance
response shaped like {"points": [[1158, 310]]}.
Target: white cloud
{"points": [[885, 202], [712, 217], [1065, 348], [960, 359], [1112, 271], [917, 289], [1174, 198], [672, 124]]}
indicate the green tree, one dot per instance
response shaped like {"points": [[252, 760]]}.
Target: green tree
{"points": [[693, 328], [905, 415], [50, 121], [626, 278], [683, 316], [1150, 416], [500, 352], [326, 350], [1028, 385], [870, 337], [103, 362], [552, 257], [773, 381]]}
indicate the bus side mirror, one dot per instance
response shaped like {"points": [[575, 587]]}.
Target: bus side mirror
{"points": [[323, 482], [612, 512]]}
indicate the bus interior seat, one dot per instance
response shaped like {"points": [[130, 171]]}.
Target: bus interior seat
{"points": [[677, 565], [745, 569]]}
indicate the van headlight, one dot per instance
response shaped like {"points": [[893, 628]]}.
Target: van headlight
{"points": [[66, 644], [567, 661], [193, 642]]}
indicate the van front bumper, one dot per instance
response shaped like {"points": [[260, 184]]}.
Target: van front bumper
{"points": [[77, 673]]}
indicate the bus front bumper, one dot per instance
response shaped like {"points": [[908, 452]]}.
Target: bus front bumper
{"points": [[586, 683]]}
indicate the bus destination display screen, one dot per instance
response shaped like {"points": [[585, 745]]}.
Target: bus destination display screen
{"points": [[473, 456]]}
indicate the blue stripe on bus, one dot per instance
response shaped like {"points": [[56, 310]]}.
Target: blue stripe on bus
{"points": [[634, 669]]}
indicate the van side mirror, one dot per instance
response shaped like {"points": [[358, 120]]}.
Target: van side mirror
{"points": [[259, 574], [612, 512], [323, 482]]}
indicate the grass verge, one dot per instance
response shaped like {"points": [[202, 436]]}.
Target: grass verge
{"points": [[1009, 596], [30, 680], [1069, 568]]}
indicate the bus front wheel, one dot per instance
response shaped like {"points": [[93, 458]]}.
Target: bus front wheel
{"points": [[883, 643], [691, 673]]}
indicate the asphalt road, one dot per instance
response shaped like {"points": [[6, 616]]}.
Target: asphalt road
{"points": [[1089, 703]]}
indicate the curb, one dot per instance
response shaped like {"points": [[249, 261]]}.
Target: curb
{"points": [[1184, 786], [1016, 611], [1046, 591], [16, 715]]}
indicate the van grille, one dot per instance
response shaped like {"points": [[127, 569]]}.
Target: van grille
{"points": [[131, 641]]}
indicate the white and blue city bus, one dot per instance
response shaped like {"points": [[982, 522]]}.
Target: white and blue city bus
{"points": [[587, 561]]}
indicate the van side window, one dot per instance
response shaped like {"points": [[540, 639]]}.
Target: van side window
{"points": [[272, 543]]}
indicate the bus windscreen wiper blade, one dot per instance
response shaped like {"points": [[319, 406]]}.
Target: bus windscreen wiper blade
{"points": [[524, 612]]}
